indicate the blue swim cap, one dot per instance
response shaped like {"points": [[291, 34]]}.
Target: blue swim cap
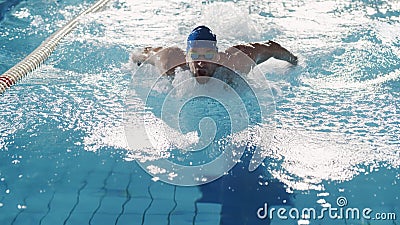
{"points": [[201, 37]]}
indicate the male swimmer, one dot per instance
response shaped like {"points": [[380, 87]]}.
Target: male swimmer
{"points": [[203, 59]]}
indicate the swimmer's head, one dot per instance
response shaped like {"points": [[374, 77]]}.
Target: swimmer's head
{"points": [[201, 37], [201, 53]]}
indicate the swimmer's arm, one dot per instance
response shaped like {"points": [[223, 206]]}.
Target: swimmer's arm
{"points": [[165, 59], [261, 52], [145, 56], [272, 49]]}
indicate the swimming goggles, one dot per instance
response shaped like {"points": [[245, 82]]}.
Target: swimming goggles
{"points": [[196, 56]]}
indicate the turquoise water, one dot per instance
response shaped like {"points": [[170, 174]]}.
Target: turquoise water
{"points": [[64, 158]]}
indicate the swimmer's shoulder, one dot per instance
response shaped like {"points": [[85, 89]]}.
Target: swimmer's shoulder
{"points": [[169, 59]]}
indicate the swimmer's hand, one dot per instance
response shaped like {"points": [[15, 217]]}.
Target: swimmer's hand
{"points": [[293, 60], [281, 53], [139, 57]]}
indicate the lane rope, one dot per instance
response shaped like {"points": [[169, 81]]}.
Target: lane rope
{"points": [[41, 53]]}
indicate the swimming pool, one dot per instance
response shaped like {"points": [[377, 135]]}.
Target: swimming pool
{"points": [[64, 158]]}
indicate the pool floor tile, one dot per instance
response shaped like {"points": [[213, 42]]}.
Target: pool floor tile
{"points": [[78, 218], [208, 213], [207, 219], [26, 218], [38, 203], [161, 190], [139, 188], [137, 205], [161, 206], [187, 194], [186, 218], [117, 180], [8, 211], [6, 219], [152, 219], [60, 208], [111, 205], [84, 210], [130, 219], [103, 219]]}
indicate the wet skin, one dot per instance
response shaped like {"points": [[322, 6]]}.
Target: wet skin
{"points": [[202, 63]]}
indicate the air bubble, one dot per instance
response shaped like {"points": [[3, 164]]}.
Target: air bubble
{"points": [[21, 206]]}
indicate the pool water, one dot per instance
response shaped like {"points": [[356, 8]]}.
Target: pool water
{"points": [[64, 158]]}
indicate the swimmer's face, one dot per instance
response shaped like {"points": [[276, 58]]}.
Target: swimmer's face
{"points": [[202, 63]]}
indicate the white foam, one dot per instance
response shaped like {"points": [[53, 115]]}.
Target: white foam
{"points": [[230, 21], [346, 82], [309, 158]]}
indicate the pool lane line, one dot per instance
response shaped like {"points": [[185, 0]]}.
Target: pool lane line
{"points": [[41, 53]]}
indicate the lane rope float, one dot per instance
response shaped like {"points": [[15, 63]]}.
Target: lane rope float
{"points": [[41, 53]]}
